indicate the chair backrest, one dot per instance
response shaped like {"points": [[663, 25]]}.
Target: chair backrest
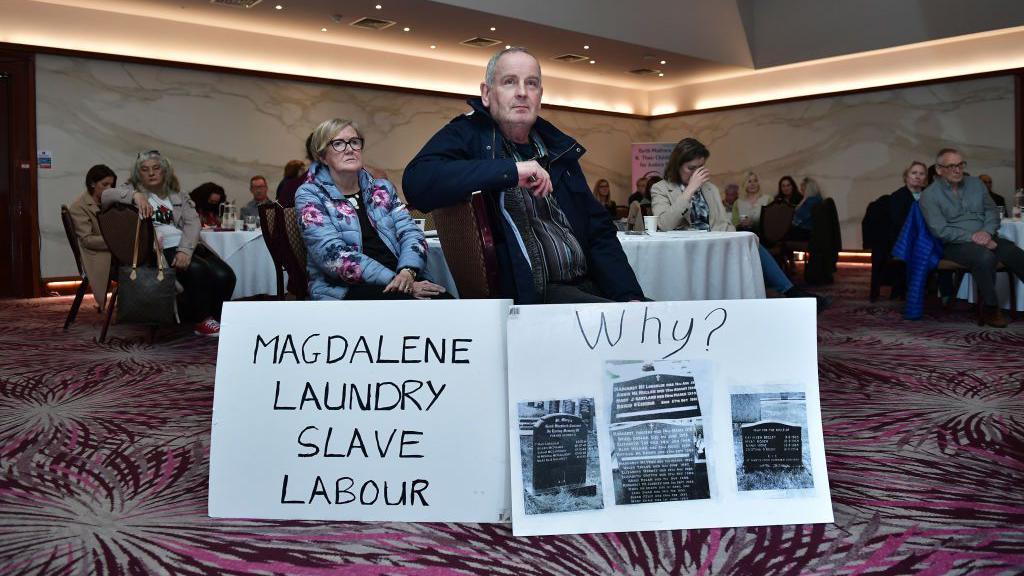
{"points": [[776, 219], [468, 243], [295, 258], [69, 229], [117, 225], [272, 224]]}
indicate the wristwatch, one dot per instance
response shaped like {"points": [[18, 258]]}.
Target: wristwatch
{"points": [[415, 273]]}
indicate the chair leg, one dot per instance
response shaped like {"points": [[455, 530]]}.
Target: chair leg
{"points": [[979, 306], [110, 312], [79, 295], [1012, 280], [152, 333]]}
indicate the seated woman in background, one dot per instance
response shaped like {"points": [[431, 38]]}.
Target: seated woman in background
{"points": [[746, 212], [84, 211], [603, 193], [642, 207], [788, 192], [208, 198], [294, 174], [802, 218], [686, 199], [362, 244], [207, 280]]}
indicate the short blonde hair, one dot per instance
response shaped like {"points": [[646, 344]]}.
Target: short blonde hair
{"points": [[322, 135], [746, 180]]}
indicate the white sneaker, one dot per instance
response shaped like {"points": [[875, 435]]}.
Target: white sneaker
{"points": [[208, 327]]}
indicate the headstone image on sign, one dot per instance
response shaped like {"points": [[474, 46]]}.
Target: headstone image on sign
{"points": [[663, 399], [560, 457], [654, 423], [360, 411], [770, 453]]}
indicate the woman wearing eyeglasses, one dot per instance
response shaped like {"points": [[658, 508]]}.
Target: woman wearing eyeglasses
{"points": [[361, 242], [207, 280]]}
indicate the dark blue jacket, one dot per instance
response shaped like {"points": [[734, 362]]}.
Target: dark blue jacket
{"points": [[922, 252], [467, 155]]}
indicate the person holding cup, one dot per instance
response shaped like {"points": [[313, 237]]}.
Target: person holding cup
{"points": [[686, 199], [746, 211]]}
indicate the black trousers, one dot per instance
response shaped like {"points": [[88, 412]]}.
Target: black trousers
{"points": [[982, 263], [376, 292], [208, 282]]}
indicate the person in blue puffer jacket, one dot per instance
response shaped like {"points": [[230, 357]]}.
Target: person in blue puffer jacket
{"points": [[361, 242]]}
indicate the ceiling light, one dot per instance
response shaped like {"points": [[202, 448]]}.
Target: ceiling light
{"points": [[493, 28], [433, 46], [663, 62], [406, 29], [661, 74], [378, 6], [586, 46], [278, 7], [508, 46], [593, 61], [323, 29]]}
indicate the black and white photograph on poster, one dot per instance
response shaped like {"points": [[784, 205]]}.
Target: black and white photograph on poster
{"points": [[656, 431], [770, 442], [559, 456]]}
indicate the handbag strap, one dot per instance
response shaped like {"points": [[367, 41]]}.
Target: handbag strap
{"points": [[156, 249]]}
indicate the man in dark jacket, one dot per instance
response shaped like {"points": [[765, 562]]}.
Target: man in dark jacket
{"points": [[555, 242]]}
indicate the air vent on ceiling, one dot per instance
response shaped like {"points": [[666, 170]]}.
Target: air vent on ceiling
{"points": [[236, 3], [480, 42], [569, 58], [645, 72], [372, 23]]}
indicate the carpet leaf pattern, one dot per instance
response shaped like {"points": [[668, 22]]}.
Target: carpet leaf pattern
{"points": [[104, 457]]}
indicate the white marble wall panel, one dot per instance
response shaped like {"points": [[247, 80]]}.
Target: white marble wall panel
{"points": [[228, 127], [857, 146]]}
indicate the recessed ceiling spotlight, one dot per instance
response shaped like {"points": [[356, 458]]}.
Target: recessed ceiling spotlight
{"points": [[661, 74], [593, 61], [278, 7], [586, 46], [662, 61], [507, 46], [493, 28], [433, 46], [406, 29], [378, 6], [323, 29]]}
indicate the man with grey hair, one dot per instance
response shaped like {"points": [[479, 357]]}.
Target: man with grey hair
{"points": [[960, 213], [555, 242]]}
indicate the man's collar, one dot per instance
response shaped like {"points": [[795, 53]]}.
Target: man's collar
{"points": [[555, 140]]}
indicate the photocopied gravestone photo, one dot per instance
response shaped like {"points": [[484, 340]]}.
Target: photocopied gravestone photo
{"points": [[770, 442], [657, 432], [559, 456]]}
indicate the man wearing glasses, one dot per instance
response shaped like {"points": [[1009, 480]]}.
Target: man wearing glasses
{"points": [[555, 242], [961, 214]]}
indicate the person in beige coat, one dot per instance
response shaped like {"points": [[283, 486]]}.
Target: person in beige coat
{"points": [[84, 211], [686, 200], [206, 279]]}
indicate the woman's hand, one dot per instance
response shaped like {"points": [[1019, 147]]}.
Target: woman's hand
{"points": [[142, 203], [700, 176], [181, 261], [402, 282], [425, 290]]}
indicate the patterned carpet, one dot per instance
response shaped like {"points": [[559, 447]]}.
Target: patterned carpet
{"points": [[104, 458]]}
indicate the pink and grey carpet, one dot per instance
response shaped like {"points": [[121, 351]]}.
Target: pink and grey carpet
{"points": [[104, 458]]}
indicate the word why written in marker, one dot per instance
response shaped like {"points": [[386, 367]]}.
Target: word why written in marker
{"points": [[334, 348]]}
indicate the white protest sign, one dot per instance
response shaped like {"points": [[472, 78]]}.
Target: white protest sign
{"points": [[361, 411], [650, 158], [655, 416]]}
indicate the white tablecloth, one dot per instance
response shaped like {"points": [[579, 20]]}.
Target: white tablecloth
{"points": [[247, 254], [1012, 230], [674, 265]]}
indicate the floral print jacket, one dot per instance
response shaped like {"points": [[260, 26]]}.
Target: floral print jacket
{"points": [[333, 237]]}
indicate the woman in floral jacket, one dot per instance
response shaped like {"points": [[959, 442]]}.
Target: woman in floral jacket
{"points": [[361, 243]]}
